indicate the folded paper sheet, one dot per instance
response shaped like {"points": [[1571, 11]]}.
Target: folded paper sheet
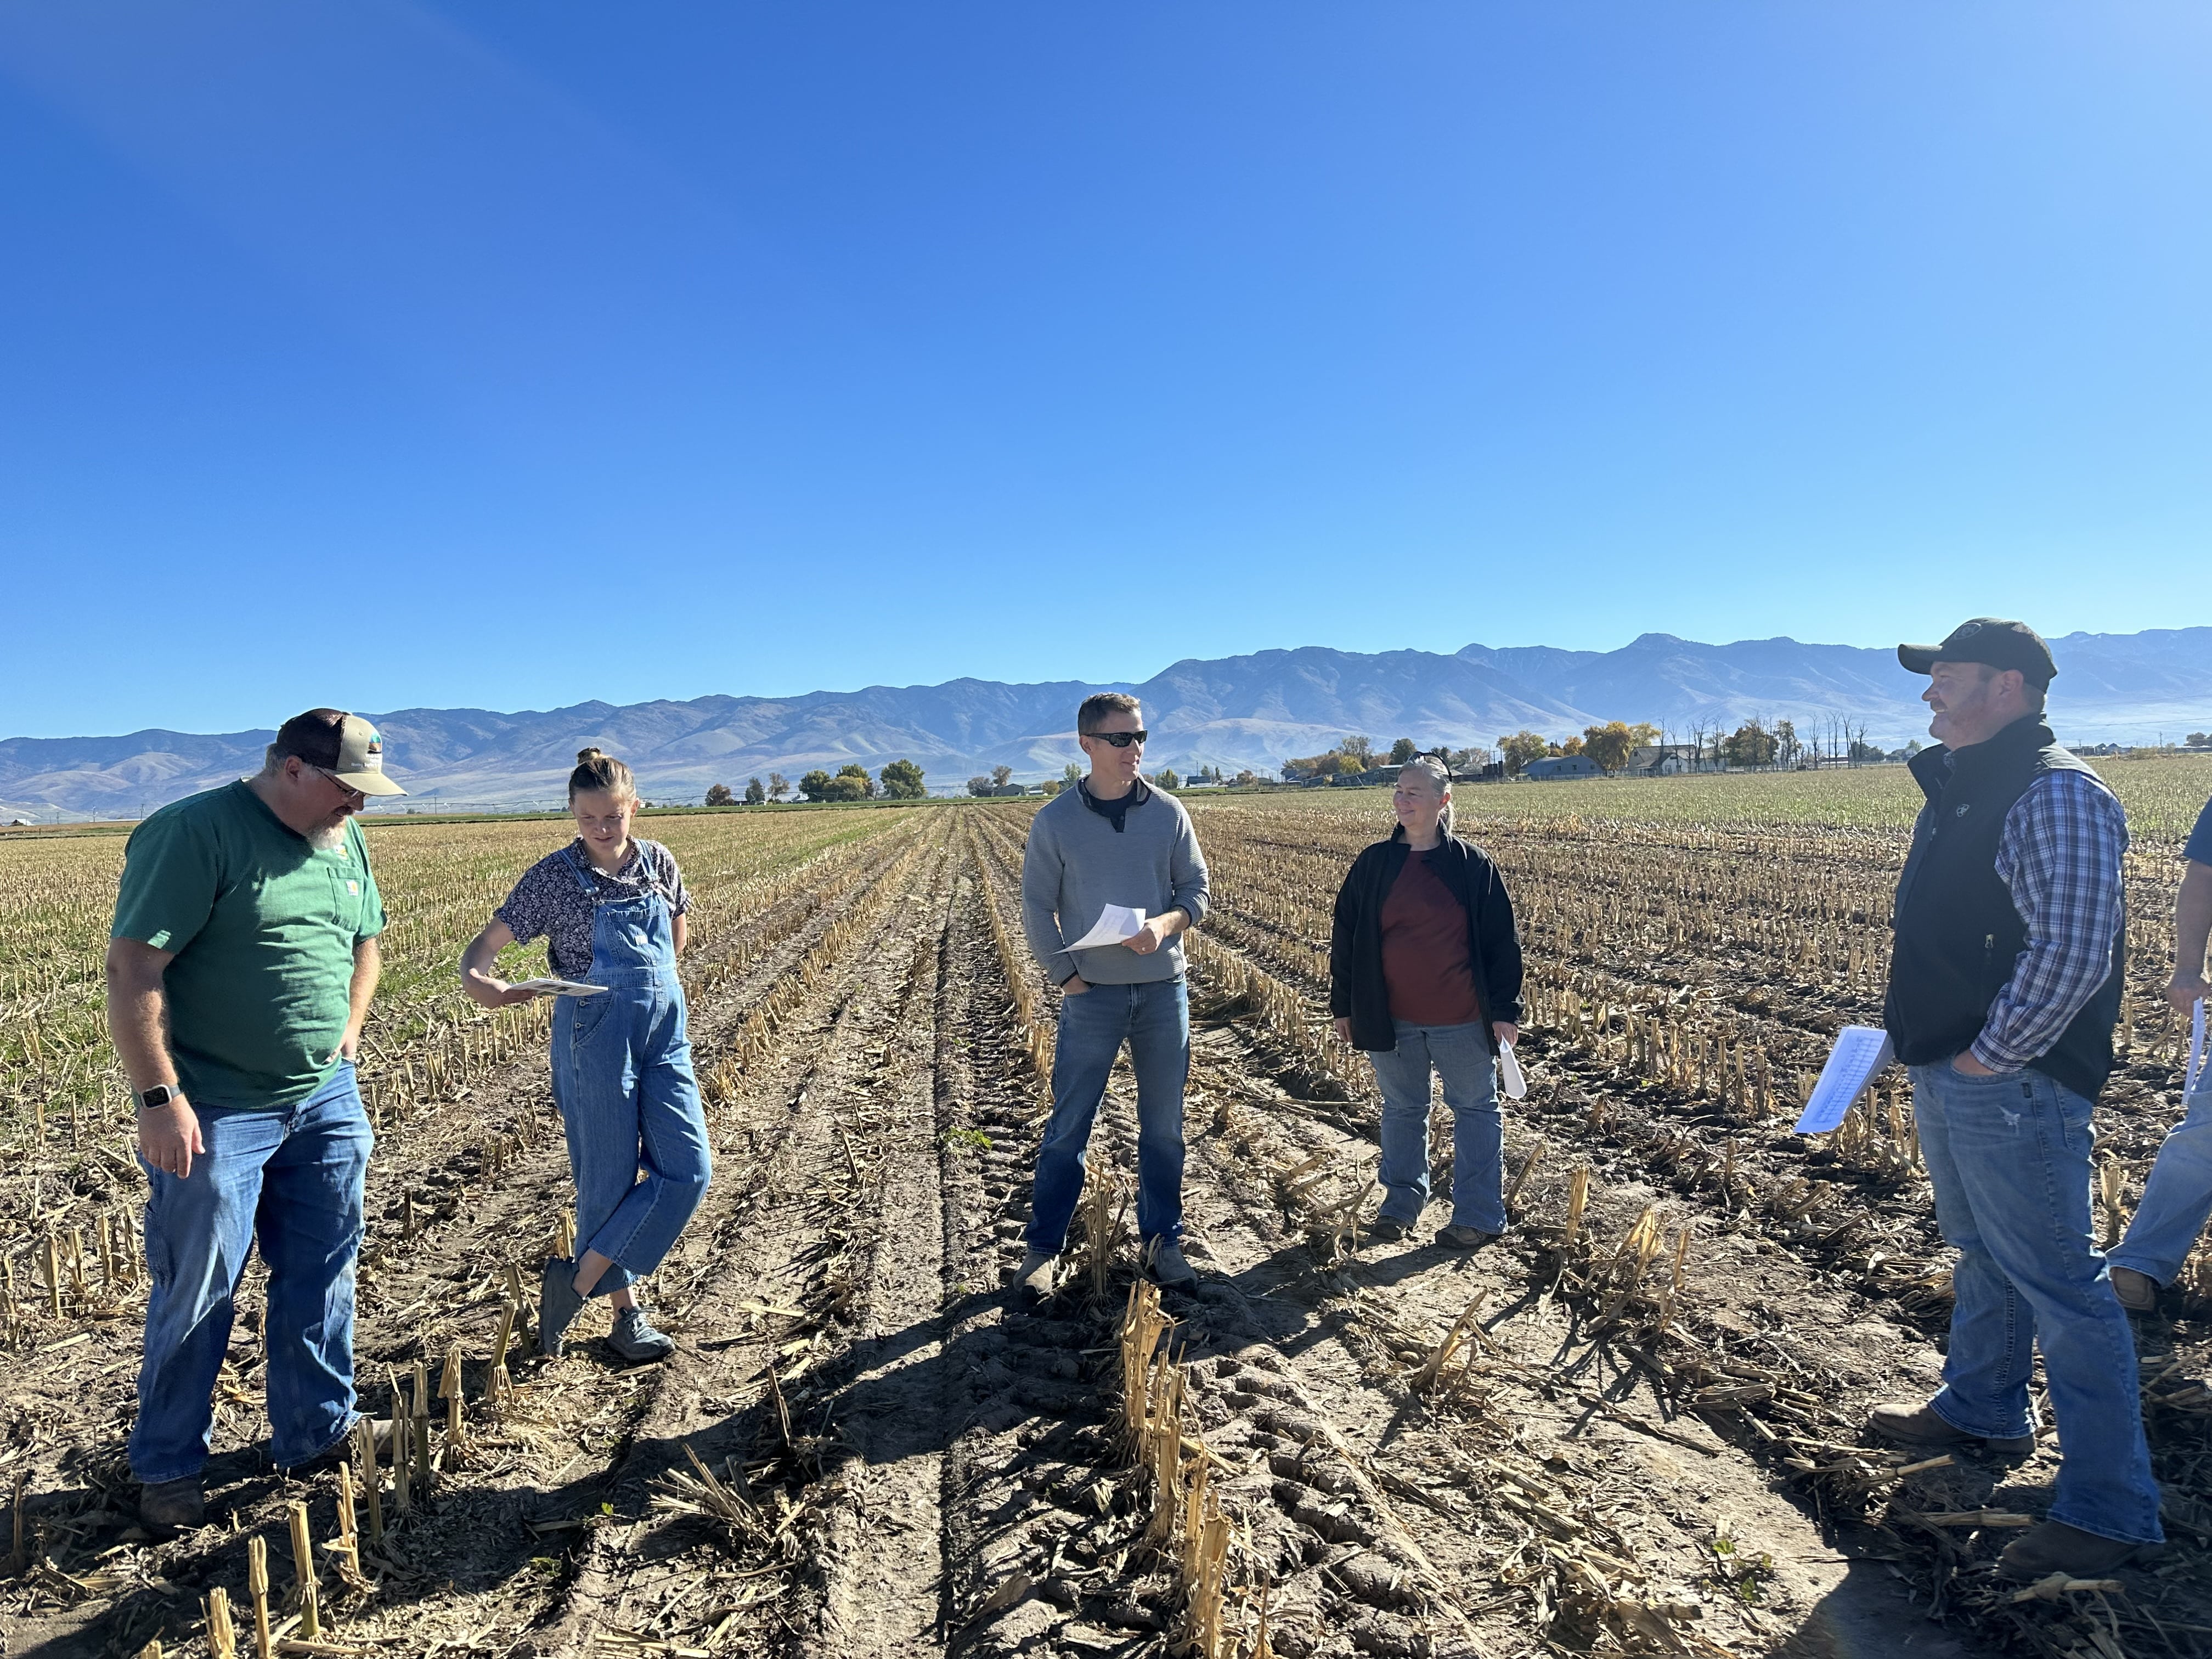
{"points": [[558, 987], [1116, 923], [2194, 1078], [1859, 1052], [1508, 1074]]}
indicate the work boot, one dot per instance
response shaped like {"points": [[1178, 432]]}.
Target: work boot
{"points": [[1922, 1430], [2138, 1292], [1387, 1229], [634, 1339], [1465, 1238], [171, 1506], [1164, 1265], [1035, 1276], [344, 1450], [2054, 1546], [558, 1304]]}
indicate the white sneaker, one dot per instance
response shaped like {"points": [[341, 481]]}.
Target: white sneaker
{"points": [[1035, 1274], [1163, 1264]]}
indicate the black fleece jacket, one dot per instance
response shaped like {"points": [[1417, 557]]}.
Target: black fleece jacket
{"points": [[1357, 990]]}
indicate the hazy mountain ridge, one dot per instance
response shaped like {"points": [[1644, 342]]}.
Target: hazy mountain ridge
{"points": [[1250, 711]]}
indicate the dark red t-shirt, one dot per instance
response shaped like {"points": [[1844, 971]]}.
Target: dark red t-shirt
{"points": [[1425, 959]]}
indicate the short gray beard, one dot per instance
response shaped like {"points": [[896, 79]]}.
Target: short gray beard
{"points": [[325, 838]]}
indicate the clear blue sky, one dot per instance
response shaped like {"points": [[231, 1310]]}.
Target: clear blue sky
{"points": [[512, 354]]}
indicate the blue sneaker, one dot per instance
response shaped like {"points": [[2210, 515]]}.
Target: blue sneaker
{"points": [[634, 1339]]}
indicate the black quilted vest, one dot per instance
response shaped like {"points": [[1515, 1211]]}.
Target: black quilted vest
{"points": [[1958, 934]]}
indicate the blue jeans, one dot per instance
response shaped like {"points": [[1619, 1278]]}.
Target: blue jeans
{"points": [[2177, 1197], [292, 1179], [2008, 1158], [1154, 1020], [1460, 1054], [637, 1133]]}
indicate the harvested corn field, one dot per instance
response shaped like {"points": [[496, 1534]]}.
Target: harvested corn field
{"points": [[1631, 1427]]}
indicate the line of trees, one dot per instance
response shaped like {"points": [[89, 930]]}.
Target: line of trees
{"points": [[900, 781], [1357, 755]]}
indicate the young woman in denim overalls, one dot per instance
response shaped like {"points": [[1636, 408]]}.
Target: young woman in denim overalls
{"points": [[621, 1060]]}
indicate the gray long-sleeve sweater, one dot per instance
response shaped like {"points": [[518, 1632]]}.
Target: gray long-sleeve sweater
{"points": [[1078, 863]]}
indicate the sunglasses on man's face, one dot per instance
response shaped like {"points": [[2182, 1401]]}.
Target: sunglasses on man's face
{"points": [[1122, 739]]}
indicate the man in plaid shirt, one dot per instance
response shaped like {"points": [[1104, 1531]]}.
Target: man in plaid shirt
{"points": [[2004, 988]]}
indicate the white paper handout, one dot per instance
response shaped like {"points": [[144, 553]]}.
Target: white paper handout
{"points": [[1859, 1052], [2194, 1079], [1115, 922], [558, 987], [1509, 1072]]}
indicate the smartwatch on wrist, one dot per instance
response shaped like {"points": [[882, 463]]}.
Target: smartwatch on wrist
{"points": [[160, 1095]]}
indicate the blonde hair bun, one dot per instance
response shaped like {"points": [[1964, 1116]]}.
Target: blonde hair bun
{"points": [[598, 771]]}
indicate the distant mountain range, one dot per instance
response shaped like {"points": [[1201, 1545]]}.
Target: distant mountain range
{"points": [[1255, 711]]}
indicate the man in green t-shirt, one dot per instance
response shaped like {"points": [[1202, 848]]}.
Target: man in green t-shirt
{"points": [[240, 971]]}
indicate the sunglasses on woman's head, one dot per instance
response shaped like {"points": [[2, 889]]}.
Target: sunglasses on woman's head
{"points": [[1122, 739]]}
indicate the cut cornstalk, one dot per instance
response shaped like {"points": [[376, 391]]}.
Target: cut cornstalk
{"points": [[1520, 1177], [420, 1433], [257, 1586], [303, 1571], [449, 1390], [349, 1539], [372, 1484], [53, 1278], [506, 1334], [402, 1461], [221, 1638], [1432, 1367]]}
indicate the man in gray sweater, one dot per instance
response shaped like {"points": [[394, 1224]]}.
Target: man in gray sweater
{"points": [[1113, 839]]}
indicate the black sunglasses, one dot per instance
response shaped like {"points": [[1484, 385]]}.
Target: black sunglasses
{"points": [[1120, 739]]}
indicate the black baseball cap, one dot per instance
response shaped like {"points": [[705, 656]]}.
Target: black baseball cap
{"points": [[1991, 640]]}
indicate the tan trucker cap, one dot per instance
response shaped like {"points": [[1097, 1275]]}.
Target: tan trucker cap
{"points": [[360, 763]]}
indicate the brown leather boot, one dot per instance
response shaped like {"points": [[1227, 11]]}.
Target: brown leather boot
{"points": [[2054, 1546], [1920, 1428], [168, 1507], [2138, 1292]]}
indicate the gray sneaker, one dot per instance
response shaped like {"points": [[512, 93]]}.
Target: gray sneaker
{"points": [[559, 1305], [172, 1506], [1164, 1265], [634, 1339], [1034, 1277]]}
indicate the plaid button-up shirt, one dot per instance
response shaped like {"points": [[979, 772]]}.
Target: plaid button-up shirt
{"points": [[2061, 857]]}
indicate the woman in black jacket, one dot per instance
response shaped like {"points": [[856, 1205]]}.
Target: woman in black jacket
{"points": [[1424, 975]]}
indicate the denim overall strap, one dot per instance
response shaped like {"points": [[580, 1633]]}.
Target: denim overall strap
{"points": [[633, 938], [583, 876]]}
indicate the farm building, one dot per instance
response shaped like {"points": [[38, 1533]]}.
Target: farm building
{"points": [[1660, 760], [1554, 768]]}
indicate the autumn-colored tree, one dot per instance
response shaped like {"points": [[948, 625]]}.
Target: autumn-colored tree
{"points": [[1750, 745], [778, 786], [1001, 776], [1522, 747], [1166, 779], [1572, 746], [851, 783], [1610, 744]]}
